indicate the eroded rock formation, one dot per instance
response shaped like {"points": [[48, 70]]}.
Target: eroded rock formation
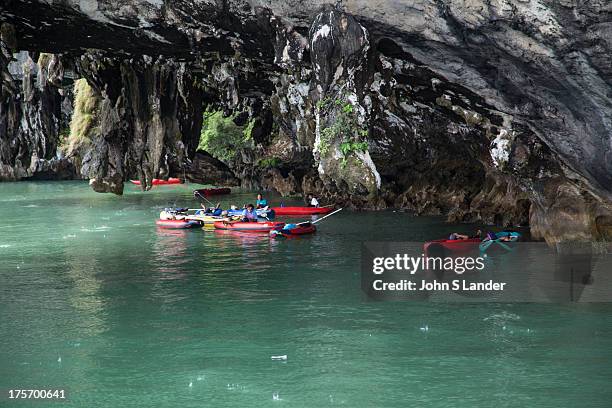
{"points": [[34, 110], [498, 111], [149, 118]]}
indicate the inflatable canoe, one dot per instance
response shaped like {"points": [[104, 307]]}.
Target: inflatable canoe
{"points": [[303, 210], [503, 242], [178, 224], [207, 192], [249, 226], [444, 247], [294, 230], [160, 182]]}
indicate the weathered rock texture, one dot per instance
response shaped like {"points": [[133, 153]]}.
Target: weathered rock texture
{"points": [[493, 110], [149, 119], [34, 109], [205, 169]]}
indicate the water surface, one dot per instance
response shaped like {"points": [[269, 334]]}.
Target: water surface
{"points": [[95, 299]]}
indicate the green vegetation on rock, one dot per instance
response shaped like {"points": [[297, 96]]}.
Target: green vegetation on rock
{"points": [[84, 119], [248, 130], [350, 147], [268, 162], [327, 136], [345, 128], [222, 138], [323, 103], [63, 138]]}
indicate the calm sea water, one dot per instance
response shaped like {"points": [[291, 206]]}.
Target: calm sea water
{"points": [[95, 299]]}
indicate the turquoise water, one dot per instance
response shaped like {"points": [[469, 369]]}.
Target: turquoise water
{"points": [[96, 300]]}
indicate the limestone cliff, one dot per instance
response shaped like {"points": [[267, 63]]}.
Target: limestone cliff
{"points": [[493, 110]]}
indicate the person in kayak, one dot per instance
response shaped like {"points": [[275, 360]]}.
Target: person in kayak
{"points": [[493, 236], [249, 214], [312, 201], [455, 236], [215, 211], [261, 202]]}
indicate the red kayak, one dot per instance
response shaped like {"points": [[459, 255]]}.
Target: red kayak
{"points": [[303, 210], [443, 247], [160, 182], [178, 224], [207, 192], [295, 230], [249, 226]]}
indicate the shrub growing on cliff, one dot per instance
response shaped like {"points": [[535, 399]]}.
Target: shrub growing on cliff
{"points": [[221, 137], [268, 162], [350, 147], [345, 127], [248, 130], [84, 117]]}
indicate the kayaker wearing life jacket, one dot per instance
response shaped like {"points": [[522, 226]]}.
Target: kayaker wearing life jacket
{"points": [[312, 201], [249, 214], [261, 202]]}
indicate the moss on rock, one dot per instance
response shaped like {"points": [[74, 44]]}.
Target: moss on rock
{"points": [[84, 120]]}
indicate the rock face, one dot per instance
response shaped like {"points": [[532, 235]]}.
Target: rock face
{"points": [[149, 119], [34, 109], [339, 51], [205, 169], [499, 111]]}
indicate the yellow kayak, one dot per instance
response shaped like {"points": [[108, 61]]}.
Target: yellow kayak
{"points": [[208, 220]]}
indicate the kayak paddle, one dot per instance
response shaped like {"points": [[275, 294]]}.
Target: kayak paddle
{"points": [[320, 219], [201, 196]]}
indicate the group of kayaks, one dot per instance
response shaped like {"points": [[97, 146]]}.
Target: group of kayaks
{"points": [[455, 247], [181, 218], [231, 219], [205, 192]]}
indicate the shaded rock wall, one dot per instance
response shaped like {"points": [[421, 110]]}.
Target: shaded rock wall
{"points": [[205, 169]]}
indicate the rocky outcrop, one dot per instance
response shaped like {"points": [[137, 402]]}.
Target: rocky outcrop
{"points": [[149, 119], [34, 111], [205, 169], [498, 111], [339, 52]]}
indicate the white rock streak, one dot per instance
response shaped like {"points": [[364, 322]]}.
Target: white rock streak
{"points": [[322, 32], [500, 149]]}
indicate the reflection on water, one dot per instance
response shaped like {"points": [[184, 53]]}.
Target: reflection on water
{"points": [[95, 298]]}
